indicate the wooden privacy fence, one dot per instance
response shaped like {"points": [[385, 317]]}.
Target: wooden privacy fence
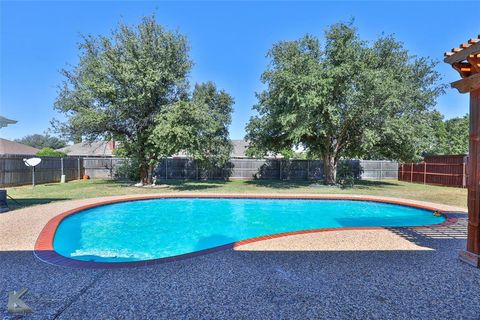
{"points": [[269, 169], [102, 168], [14, 172], [448, 170]]}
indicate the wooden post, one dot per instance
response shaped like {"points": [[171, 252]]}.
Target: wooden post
{"points": [[196, 169], [308, 169], [381, 169], [111, 168], [411, 173], [78, 166], [466, 60], [280, 170], [464, 174], [473, 181], [424, 172]]}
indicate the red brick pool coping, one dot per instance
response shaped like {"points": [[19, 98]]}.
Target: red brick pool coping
{"points": [[44, 245]]}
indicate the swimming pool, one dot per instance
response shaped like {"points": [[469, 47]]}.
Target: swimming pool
{"points": [[151, 229]]}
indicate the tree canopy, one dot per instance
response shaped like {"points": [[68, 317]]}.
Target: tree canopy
{"points": [[41, 141], [451, 136], [347, 98], [49, 152], [457, 135], [123, 84], [198, 126]]}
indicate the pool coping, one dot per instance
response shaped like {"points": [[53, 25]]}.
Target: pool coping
{"points": [[45, 252]]}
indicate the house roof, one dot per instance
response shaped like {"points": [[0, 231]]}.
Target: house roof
{"points": [[95, 148], [5, 122], [105, 149], [239, 148], [238, 151], [11, 147]]}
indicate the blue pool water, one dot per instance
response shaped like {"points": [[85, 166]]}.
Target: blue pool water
{"points": [[150, 229]]}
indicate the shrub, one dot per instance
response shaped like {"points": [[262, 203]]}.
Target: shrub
{"points": [[348, 172], [127, 169], [49, 152]]}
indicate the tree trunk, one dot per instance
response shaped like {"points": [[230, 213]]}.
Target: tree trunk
{"points": [[150, 174], [330, 169], [145, 176]]}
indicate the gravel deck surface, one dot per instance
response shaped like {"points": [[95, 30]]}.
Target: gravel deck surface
{"points": [[391, 273]]}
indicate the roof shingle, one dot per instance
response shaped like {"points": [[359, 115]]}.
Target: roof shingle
{"points": [[11, 147]]}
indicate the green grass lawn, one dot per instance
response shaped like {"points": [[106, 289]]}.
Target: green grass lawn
{"points": [[26, 195]]}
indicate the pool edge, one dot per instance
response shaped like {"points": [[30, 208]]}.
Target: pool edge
{"points": [[45, 252]]}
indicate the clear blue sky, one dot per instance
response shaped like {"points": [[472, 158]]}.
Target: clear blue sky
{"points": [[228, 43]]}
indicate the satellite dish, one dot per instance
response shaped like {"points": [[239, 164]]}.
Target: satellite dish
{"points": [[32, 162]]}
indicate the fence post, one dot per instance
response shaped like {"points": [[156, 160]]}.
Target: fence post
{"points": [[308, 170], [411, 173], [424, 172], [196, 167], [111, 168], [381, 169], [281, 161], [33, 176], [78, 168], [166, 168], [464, 175], [62, 176]]}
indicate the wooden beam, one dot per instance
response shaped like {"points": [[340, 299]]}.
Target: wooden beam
{"points": [[474, 60], [462, 54], [465, 69], [467, 84]]}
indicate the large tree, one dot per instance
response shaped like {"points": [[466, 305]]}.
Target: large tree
{"points": [[451, 136], [122, 83], [41, 141], [197, 127], [457, 135], [349, 98]]}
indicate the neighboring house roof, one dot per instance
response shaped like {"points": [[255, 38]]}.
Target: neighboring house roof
{"points": [[105, 149], [239, 149], [95, 148], [5, 122], [11, 147]]}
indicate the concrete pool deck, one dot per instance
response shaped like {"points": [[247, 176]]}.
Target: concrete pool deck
{"points": [[393, 273]]}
